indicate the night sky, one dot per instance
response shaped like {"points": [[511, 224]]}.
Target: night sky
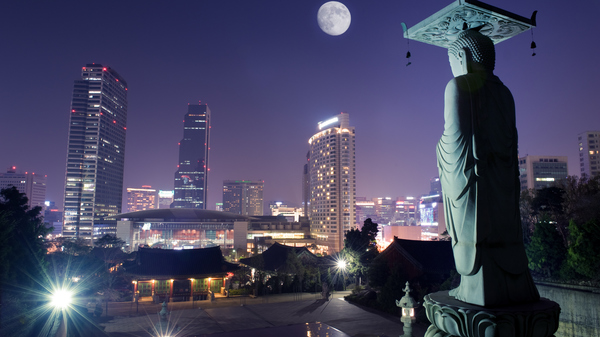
{"points": [[269, 75]]}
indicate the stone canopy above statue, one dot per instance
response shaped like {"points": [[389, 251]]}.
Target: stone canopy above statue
{"points": [[441, 28]]}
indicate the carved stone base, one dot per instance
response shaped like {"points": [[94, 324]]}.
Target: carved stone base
{"points": [[450, 317]]}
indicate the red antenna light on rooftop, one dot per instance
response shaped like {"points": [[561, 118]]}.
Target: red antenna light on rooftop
{"points": [[103, 69]]}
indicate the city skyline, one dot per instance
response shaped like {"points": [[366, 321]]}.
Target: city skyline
{"points": [[271, 74]]}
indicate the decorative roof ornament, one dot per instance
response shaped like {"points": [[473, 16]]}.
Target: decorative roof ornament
{"points": [[442, 28]]}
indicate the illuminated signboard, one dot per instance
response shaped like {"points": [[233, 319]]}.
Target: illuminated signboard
{"points": [[165, 194], [327, 122]]}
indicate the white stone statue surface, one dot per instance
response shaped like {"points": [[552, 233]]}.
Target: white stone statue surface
{"points": [[478, 167]]}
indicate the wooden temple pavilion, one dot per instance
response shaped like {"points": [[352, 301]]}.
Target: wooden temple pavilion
{"points": [[180, 275]]}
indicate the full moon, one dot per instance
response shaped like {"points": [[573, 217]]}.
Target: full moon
{"points": [[334, 18]]}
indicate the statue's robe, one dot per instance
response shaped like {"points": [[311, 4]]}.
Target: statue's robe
{"points": [[478, 167]]}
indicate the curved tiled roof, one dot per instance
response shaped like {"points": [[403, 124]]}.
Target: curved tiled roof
{"points": [[182, 214], [151, 262]]}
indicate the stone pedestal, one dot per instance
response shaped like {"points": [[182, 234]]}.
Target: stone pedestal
{"points": [[450, 317]]}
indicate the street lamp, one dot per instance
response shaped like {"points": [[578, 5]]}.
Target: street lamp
{"points": [[61, 299]]}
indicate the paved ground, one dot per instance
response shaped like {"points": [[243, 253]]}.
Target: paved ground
{"points": [[234, 314]]}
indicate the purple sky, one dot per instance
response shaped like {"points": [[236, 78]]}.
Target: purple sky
{"points": [[269, 74]]}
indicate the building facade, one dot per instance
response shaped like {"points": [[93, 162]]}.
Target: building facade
{"points": [[589, 156], [332, 182], [537, 172], [165, 198], [95, 153], [192, 171], [141, 199], [407, 211], [292, 214], [31, 184], [243, 197]]}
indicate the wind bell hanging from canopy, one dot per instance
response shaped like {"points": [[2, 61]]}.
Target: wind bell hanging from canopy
{"points": [[407, 42], [533, 46]]}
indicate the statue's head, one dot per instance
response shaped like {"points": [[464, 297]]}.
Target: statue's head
{"points": [[471, 52]]}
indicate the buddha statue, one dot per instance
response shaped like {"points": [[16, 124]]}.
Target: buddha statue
{"points": [[478, 167]]}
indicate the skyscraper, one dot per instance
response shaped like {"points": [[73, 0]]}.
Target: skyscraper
{"points": [[243, 197], [538, 172], [589, 156], [332, 182], [192, 172], [95, 153]]}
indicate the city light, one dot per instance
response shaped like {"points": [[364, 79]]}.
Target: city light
{"points": [[61, 298]]}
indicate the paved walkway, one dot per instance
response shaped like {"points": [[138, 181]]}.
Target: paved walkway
{"points": [[232, 314]]}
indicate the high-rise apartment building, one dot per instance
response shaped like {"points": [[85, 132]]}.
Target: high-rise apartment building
{"points": [[31, 184], [243, 197], [332, 182], [95, 153], [192, 171], [141, 199], [589, 155], [538, 172]]}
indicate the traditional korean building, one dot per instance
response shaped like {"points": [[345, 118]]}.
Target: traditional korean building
{"points": [[179, 275], [275, 257], [417, 258]]}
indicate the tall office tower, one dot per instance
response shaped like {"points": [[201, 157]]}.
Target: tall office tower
{"points": [[589, 156], [332, 182], [95, 153], [538, 172], [243, 197], [31, 184], [306, 185], [141, 199], [192, 172]]}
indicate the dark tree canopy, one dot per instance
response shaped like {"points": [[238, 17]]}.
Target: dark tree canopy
{"points": [[22, 261]]}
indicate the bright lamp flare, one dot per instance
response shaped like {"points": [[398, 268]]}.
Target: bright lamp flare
{"points": [[61, 298], [341, 264]]}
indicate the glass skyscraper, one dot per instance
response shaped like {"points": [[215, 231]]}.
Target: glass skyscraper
{"points": [[192, 171], [95, 153]]}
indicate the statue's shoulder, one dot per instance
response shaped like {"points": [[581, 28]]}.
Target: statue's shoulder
{"points": [[458, 84]]}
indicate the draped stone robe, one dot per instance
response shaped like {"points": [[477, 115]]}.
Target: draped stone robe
{"points": [[478, 166]]}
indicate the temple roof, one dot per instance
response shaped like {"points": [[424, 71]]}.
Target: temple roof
{"points": [[428, 256], [275, 257], [186, 263]]}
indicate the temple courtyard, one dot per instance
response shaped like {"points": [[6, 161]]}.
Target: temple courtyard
{"points": [[273, 315]]}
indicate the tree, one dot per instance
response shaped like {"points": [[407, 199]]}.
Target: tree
{"points": [[22, 260], [583, 256], [546, 251], [360, 248], [109, 241]]}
